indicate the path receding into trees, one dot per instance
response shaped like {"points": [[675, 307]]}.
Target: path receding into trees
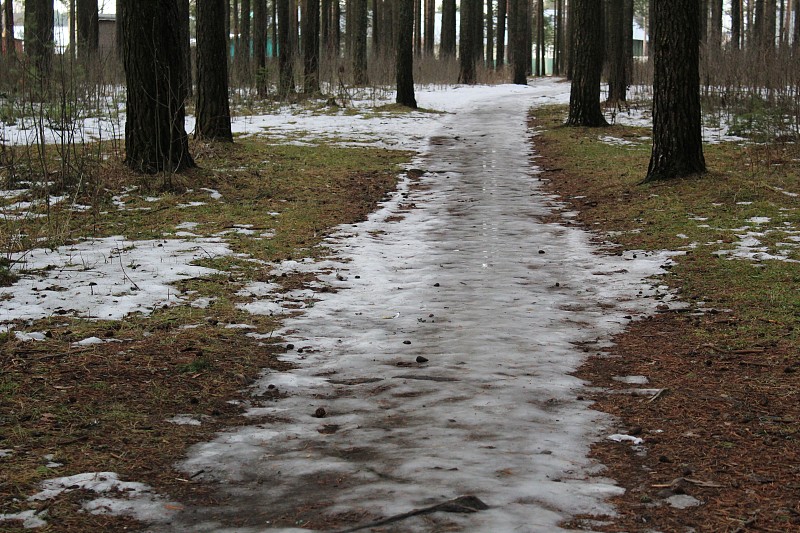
{"points": [[440, 368]]}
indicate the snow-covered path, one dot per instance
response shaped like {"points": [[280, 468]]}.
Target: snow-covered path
{"points": [[497, 301]]}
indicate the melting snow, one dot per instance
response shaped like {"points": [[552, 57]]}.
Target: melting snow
{"points": [[103, 278], [30, 519], [493, 411], [618, 437], [139, 501]]}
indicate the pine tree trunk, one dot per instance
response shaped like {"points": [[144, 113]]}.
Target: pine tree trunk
{"points": [[518, 26], [285, 59], [213, 111], [294, 29], [541, 67], [501, 33], [715, 29], [430, 27], [389, 25], [185, 44], [274, 28], [628, 17], [418, 26], [703, 21], [360, 77], [769, 25], [447, 47], [337, 28], [235, 28], [528, 8], [587, 65], [8, 23], [39, 44], [736, 24], [570, 38], [796, 34], [405, 53], [477, 21], [376, 28], [617, 84], [246, 42], [155, 136], [325, 27], [558, 32], [260, 33], [677, 137], [466, 44], [87, 29], [311, 47], [489, 34]]}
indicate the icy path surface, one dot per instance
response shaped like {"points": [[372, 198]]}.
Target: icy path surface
{"points": [[497, 301]]}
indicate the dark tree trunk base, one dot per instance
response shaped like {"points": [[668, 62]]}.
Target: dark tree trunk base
{"points": [[213, 110], [405, 54], [587, 65], [155, 135], [677, 128]]}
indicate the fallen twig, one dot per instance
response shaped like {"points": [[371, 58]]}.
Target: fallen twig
{"points": [[462, 504], [657, 395]]}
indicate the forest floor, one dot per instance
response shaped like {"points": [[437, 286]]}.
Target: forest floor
{"points": [[127, 397], [721, 431], [124, 399]]}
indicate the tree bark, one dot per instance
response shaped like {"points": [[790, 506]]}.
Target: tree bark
{"points": [[518, 26], [770, 16], [466, 44], [39, 44], [235, 28], [528, 8], [88, 29], [501, 33], [213, 111], [558, 41], [418, 26], [541, 66], [73, 37], [285, 56], [376, 28], [430, 27], [796, 34], [587, 66], [294, 29], [274, 11], [389, 25], [715, 28], [405, 53], [477, 21], [570, 38], [185, 44], [628, 16], [447, 47], [703, 21], [677, 137], [311, 47], [246, 41], [360, 77], [260, 34], [736, 24], [617, 84], [489, 34], [8, 19], [155, 136]]}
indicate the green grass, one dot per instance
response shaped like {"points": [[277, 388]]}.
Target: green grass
{"points": [[700, 215], [107, 406]]}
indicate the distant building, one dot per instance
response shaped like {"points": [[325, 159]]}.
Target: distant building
{"points": [[107, 29]]}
